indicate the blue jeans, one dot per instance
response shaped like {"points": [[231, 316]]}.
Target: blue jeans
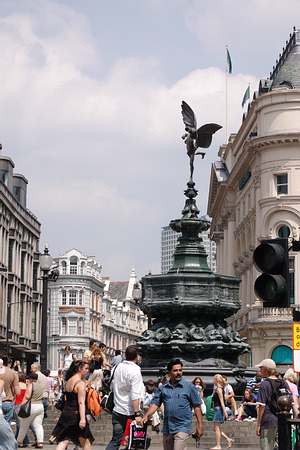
{"points": [[8, 411], [119, 424]]}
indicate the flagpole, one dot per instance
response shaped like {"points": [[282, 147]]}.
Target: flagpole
{"points": [[226, 98]]}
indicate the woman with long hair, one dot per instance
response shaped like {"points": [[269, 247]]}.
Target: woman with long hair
{"points": [[199, 385], [72, 424], [220, 413], [96, 372], [247, 410], [291, 378]]}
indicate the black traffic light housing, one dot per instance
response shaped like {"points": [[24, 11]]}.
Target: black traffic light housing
{"points": [[271, 258]]}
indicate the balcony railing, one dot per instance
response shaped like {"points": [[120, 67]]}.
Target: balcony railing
{"points": [[257, 314]]}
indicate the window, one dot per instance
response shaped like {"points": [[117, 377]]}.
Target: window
{"points": [[82, 268], [73, 265], [23, 256], [72, 297], [17, 193], [284, 231], [282, 183], [10, 254], [292, 280], [4, 176], [33, 321], [72, 326], [63, 297], [80, 327], [63, 326], [282, 355], [35, 275], [80, 297], [64, 267]]}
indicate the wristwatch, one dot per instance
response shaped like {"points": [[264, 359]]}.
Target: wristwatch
{"points": [[138, 413]]}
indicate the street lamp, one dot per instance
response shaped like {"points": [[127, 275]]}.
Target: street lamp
{"points": [[4, 269], [46, 263]]}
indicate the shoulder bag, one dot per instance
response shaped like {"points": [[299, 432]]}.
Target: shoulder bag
{"points": [[107, 403], [25, 409]]}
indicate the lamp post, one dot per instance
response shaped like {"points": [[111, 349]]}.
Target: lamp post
{"points": [[4, 269], [46, 262]]}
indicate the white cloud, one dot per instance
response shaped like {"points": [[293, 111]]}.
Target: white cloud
{"points": [[103, 154]]}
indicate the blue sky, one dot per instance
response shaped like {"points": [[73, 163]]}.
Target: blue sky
{"points": [[90, 110]]}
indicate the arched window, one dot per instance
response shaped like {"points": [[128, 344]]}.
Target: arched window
{"points": [[282, 355], [73, 265], [283, 231], [64, 267]]}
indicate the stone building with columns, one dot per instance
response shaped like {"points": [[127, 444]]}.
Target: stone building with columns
{"points": [[123, 320], [20, 287], [75, 306], [255, 194]]}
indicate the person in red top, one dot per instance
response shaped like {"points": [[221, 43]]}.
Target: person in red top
{"points": [[22, 385], [18, 401]]}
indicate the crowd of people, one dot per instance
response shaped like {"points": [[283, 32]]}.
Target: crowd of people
{"points": [[170, 404]]}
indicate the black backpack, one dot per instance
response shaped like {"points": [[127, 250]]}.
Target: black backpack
{"points": [[279, 387]]}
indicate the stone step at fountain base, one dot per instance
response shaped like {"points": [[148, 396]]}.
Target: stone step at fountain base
{"points": [[242, 432]]}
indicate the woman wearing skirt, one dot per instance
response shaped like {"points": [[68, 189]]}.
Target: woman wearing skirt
{"points": [[220, 414]]}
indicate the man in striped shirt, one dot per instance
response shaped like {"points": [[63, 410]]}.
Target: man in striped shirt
{"points": [[254, 383]]}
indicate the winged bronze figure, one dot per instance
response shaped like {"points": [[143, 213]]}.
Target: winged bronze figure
{"points": [[195, 138]]}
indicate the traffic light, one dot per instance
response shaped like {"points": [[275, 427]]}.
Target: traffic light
{"points": [[271, 258]]}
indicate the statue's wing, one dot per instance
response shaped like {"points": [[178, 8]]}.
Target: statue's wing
{"points": [[188, 116], [204, 134]]}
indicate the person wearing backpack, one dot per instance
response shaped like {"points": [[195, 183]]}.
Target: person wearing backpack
{"points": [[271, 388]]}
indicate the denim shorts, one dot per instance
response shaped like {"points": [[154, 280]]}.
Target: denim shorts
{"points": [[218, 414]]}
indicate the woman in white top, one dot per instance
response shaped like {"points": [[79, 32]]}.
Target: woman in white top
{"points": [[7, 438], [68, 358]]}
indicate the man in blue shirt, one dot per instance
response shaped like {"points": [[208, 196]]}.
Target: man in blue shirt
{"points": [[178, 397]]}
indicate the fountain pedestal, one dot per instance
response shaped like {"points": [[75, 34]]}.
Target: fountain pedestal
{"points": [[188, 307]]}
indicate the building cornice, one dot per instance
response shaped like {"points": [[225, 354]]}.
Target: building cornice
{"points": [[78, 280], [21, 214], [280, 201], [272, 141]]}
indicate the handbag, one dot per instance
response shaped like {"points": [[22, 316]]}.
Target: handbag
{"points": [[107, 403], [25, 409], [60, 402]]}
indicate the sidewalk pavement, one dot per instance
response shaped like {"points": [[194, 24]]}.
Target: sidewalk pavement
{"points": [[152, 447]]}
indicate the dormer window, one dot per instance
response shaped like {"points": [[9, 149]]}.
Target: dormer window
{"points": [[73, 265], [64, 267]]}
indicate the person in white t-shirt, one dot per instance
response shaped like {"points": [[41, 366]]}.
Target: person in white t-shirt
{"points": [[230, 401], [68, 358], [128, 389]]}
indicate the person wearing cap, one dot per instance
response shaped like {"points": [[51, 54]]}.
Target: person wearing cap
{"points": [[267, 422]]}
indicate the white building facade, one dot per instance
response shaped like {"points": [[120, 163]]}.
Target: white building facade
{"points": [[123, 320], [20, 287], [255, 195], [169, 239], [75, 306]]}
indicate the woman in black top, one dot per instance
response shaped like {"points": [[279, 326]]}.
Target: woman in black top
{"points": [[220, 413], [72, 424]]}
